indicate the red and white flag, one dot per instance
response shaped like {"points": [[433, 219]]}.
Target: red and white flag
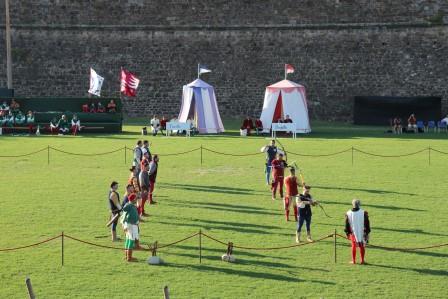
{"points": [[129, 83], [289, 69]]}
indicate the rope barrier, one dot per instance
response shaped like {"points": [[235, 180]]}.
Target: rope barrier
{"points": [[437, 151], [92, 244], [172, 154], [321, 155], [390, 156], [31, 245], [234, 155], [267, 248], [176, 242], [80, 154], [24, 155]]}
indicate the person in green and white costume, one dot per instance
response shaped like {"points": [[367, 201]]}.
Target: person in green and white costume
{"points": [[4, 107], [63, 125], [130, 226], [10, 119], [30, 121], [20, 119]]}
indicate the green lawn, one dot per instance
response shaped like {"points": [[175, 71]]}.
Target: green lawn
{"points": [[227, 198]]}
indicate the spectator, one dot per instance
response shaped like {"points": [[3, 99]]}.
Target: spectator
{"points": [[76, 124], [445, 120], [258, 126], [288, 120], [30, 121], [100, 108], [192, 126], [19, 119], [4, 108], [155, 125], [248, 125], [163, 122], [3, 119], [92, 108], [396, 125], [412, 123], [63, 125], [111, 107], [85, 108], [53, 126], [14, 107]]}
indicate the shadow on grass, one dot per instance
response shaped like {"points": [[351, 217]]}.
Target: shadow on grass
{"points": [[228, 208], [363, 190], [418, 270], [229, 223], [212, 189], [393, 208], [220, 227]]}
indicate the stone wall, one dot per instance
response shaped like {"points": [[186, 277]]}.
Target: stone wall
{"points": [[334, 61]]}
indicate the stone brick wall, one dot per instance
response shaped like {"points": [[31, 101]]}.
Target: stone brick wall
{"points": [[334, 61]]}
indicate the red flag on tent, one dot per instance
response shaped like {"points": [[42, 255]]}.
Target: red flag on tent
{"points": [[289, 69], [129, 83]]}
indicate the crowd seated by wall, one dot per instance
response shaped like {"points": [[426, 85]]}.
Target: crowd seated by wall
{"points": [[414, 125]]}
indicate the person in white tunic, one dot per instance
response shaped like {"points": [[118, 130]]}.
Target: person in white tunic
{"points": [[357, 229]]}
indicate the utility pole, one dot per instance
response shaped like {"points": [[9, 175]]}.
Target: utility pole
{"points": [[8, 47]]}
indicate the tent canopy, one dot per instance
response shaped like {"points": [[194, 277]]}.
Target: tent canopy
{"points": [[285, 98], [199, 103]]}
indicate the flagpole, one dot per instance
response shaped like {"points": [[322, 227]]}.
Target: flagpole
{"points": [[198, 70], [285, 72]]}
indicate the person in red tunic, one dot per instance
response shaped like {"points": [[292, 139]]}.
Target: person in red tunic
{"points": [[278, 170], [163, 122], [292, 190], [258, 126], [247, 125]]}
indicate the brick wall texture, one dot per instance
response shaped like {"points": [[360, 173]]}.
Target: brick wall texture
{"points": [[340, 48]]}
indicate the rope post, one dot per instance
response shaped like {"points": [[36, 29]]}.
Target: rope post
{"points": [[335, 254], [166, 292], [125, 158], [30, 288], [201, 154], [352, 154], [62, 248], [48, 155], [429, 155], [200, 247]]}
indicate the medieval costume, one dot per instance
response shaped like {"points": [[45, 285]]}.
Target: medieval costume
{"points": [[357, 229], [130, 225]]}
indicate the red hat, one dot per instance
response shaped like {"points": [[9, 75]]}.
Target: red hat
{"points": [[132, 197]]}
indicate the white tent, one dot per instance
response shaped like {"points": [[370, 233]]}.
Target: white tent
{"points": [[285, 98], [199, 103]]}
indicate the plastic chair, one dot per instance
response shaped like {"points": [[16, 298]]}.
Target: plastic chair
{"points": [[420, 126], [431, 125], [441, 125]]}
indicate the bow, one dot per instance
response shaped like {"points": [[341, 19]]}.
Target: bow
{"points": [[283, 149], [303, 184]]}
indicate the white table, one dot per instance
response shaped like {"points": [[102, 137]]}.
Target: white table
{"points": [[283, 127], [177, 126]]}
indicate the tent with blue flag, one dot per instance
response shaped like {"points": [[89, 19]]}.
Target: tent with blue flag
{"points": [[199, 104]]}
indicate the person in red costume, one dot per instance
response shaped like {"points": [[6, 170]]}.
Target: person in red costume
{"points": [[278, 171], [357, 229], [248, 125], [292, 190]]}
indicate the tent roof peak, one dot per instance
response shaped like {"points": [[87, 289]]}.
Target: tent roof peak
{"points": [[285, 84], [199, 83]]}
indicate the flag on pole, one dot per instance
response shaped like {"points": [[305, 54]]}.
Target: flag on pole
{"points": [[202, 69], [289, 69], [129, 83], [96, 82]]}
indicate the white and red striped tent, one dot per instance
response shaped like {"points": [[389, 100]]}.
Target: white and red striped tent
{"points": [[285, 98]]}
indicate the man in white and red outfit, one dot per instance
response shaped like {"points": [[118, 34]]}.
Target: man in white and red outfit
{"points": [[357, 228], [278, 172], [153, 166], [292, 191], [248, 125]]}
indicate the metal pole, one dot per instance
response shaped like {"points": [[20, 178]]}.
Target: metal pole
{"points": [[48, 155], [429, 155], [352, 154], [8, 46], [30, 288], [166, 292], [335, 255], [125, 155], [201, 154], [200, 247], [62, 248]]}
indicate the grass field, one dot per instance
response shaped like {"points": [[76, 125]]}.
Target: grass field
{"points": [[227, 198]]}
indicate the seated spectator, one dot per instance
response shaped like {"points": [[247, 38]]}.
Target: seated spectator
{"points": [[163, 122], [19, 119], [412, 123], [30, 121], [3, 120], [14, 107], [155, 125], [76, 124], [111, 107], [92, 108], [258, 126], [4, 108], [53, 126], [100, 108], [280, 120], [85, 108], [192, 126], [63, 125], [288, 120], [396, 125], [10, 119], [445, 120], [248, 125]]}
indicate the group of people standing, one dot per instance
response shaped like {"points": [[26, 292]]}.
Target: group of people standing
{"points": [[139, 190], [357, 225]]}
